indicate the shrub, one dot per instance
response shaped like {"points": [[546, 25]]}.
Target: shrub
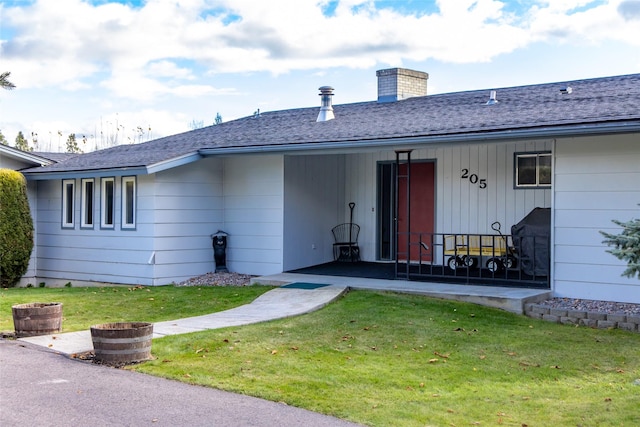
{"points": [[627, 245], [16, 228]]}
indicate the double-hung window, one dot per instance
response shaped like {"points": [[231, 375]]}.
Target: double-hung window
{"points": [[128, 202], [68, 199], [87, 203], [532, 170], [107, 202]]}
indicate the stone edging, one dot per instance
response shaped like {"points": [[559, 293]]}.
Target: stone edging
{"points": [[589, 319]]}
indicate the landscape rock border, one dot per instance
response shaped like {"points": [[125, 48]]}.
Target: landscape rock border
{"points": [[589, 313]]}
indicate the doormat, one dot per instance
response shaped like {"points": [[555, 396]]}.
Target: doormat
{"points": [[304, 285]]}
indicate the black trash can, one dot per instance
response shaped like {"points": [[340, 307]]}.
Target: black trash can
{"points": [[219, 241]]}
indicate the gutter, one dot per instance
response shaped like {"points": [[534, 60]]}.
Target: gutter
{"points": [[116, 172], [484, 137]]}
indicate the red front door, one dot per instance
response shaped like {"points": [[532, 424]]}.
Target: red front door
{"points": [[421, 212]]}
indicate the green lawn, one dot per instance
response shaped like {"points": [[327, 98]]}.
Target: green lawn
{"points": [[385, 359], [83, 307]]}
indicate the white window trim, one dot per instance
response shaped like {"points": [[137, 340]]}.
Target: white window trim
{"points": [[103, 203], [66, 209], [128, 203], [537, 156], [87, 203]]}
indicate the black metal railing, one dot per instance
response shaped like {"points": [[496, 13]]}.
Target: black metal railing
{"points": [[490, 259]]}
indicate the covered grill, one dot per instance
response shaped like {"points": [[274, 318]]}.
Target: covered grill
{"points": [[531, 238]]}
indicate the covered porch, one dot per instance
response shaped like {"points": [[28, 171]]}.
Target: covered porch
{"points": [[436, 207]]}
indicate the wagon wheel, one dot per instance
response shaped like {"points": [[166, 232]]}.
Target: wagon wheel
{"points": [[511, 262], [470, 261], [453, 262], [494, 265]]}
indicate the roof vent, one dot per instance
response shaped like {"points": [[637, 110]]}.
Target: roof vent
{"points": [[492, 98], [326, 109], [566, 90]]}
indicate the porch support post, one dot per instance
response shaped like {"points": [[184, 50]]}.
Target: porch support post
{"points": [[403, 157]]}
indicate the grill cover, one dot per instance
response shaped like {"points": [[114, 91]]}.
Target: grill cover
{"points": [[531, 238]]}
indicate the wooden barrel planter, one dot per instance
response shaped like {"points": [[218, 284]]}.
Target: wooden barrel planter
{"points": [[37, 318], [122, 343]]}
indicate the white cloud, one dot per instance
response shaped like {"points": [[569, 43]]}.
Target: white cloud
{"points": [[138, 49], [74, 61]]}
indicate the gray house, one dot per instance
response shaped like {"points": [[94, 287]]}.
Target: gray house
{"points": [[421, 170]]}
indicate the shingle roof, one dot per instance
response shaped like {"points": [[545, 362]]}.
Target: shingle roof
{"points": [[592, 101]]}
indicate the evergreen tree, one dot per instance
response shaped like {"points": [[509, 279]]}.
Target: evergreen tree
{"points": [[72, 144], [3, 140], [4, 81], [22, 143], [16, 227], [627, 245], [218, 119]]}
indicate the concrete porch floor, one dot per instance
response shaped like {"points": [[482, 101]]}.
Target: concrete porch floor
{"points": [[505, 298]]}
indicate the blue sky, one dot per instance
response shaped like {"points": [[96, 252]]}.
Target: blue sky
{"points": [[126, 71]]}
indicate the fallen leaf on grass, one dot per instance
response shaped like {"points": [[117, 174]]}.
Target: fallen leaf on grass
{"points": [[274, 351], [294, 348], [434, 360], [607, 399], [444, 356]]}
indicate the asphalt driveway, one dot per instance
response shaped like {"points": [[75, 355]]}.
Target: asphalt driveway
{"points": [[40, 387]]}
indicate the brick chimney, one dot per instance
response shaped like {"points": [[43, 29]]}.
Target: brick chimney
{"points": [[395, 84]]}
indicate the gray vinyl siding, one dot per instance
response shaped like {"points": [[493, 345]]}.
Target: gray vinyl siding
{"points": [[597, 179], [253, 213], [187, 207], [177, 211], [91, 255]]}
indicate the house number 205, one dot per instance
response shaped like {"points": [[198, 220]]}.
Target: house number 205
{"points": [[473, 178]]}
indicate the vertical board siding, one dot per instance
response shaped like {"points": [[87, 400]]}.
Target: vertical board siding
{"points": [[461, 206], [596, 180], [313, 204], [253, 199]]}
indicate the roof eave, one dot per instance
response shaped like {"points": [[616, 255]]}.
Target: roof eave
{"points": [[632, 126], [111, 172], [25, 156]]}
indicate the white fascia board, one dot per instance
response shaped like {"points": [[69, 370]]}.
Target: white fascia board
{"points": [[24, 156], [173, 163], [90, 173], [116, 172]]}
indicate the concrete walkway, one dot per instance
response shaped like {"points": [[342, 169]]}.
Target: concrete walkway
{"points": [[504, 298], [297, 296], [274, 304]]}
